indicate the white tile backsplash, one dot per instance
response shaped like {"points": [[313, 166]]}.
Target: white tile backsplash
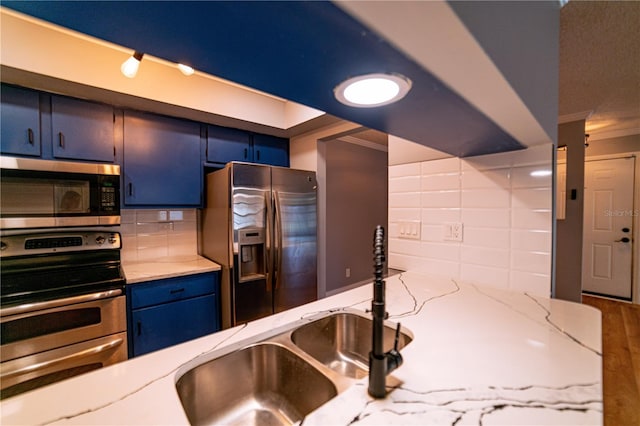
{"points": [[486, 198], [486, 179], [439, 216], [441, 182], [399, 214], [412, 169], [405, 199], [505, 211], [446, 165], [404, 184], [486, 218], [444, 199], [487, 237], [151, 234]]}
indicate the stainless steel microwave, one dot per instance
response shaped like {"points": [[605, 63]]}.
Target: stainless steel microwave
{"points": [[42, 193]]}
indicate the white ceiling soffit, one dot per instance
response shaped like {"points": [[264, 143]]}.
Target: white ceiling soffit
{"points": [[402, 151], [600, 66], [43, 48], [431, 45]]}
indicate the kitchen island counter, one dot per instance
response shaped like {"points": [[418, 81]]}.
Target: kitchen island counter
{"points": [[479, 356]]}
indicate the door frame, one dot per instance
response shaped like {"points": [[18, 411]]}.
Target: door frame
{"points": [[635, 255]]}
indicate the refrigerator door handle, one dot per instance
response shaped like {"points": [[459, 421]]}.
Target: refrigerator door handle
{"points": [[268, 204], [277, 240]]}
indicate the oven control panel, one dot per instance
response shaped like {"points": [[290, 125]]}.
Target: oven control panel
{"points": [[58, 242]]}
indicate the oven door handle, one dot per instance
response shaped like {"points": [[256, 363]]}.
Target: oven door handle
{"points": [[30, 307], [4, 375]]}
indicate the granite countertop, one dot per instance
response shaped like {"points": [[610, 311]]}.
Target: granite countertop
{"points": [[479, 356], [167, 267]]}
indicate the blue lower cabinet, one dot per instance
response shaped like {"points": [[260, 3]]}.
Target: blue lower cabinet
{"points": [[166, 312]]}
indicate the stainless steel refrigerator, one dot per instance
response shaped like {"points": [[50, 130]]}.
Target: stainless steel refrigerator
{"points": [[260, 225]]}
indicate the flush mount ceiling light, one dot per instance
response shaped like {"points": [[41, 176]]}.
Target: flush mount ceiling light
{"points": [[130, 67], [372, 90]]}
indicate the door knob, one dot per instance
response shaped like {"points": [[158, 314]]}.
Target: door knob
{"points": [[622, 240], [625, 230]]}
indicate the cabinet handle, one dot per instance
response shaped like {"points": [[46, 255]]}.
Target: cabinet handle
{"points": [[61, 140], [130, 189], [30, 136], [177, 290], [139, 328], [245, 153], [258, 155]]}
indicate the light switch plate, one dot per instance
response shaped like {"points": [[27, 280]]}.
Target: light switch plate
{"points": [[453, 231], [409, 229]]}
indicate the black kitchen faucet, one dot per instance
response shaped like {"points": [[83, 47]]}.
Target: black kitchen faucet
{"points": [[380, 363]]}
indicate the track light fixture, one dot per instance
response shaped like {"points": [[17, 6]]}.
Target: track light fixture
{"points": [[130, 67], [185, 69]]}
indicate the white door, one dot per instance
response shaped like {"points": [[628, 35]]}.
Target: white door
{"points": [[608, 227]]}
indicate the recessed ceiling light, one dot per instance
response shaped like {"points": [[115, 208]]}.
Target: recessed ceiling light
{"points": [[372, 90]]}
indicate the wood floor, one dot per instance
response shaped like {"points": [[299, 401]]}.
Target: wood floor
{"points": [[621, 360]]}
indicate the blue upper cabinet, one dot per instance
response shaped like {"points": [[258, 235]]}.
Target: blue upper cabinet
{"points": [[82, 130], [162, 164], [20, 126], [270, 150], [225, 145]]}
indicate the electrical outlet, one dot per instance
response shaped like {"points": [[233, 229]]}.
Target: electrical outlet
{"points": [[453, 231], [409, 229], [347, 273]]}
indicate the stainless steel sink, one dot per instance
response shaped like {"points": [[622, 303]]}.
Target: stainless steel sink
{"points": [[263, 384], [342, 342], [280, 376]]}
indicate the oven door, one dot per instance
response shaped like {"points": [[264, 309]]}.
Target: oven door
{"points": [[38, 327], [31, 372]]}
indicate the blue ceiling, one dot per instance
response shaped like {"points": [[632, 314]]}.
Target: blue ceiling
{"points": [[296, 50]]}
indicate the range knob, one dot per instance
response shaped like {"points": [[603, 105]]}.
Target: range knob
{"points": [[100, 240], [3, 246]]}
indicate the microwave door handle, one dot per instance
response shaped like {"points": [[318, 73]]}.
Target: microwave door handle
{"points": [[62, 360]]}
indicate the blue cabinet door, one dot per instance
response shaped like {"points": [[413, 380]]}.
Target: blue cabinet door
{"points": [[82, 130], [164, 325], [225, 145], [162, 165], [20, 122], [270, 150]]}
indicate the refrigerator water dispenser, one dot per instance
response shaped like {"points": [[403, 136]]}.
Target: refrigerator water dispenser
{"points": [[251, 254]]}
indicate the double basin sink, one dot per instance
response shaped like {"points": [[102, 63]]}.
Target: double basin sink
{"points": [[279, 377]]}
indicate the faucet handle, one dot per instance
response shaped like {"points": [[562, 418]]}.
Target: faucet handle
{"points": [[397, 339]]}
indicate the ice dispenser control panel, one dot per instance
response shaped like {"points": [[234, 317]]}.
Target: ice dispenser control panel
{"points": [[251, 254]]}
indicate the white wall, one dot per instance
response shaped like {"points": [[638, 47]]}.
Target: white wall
{"points": [[506, 213]]}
